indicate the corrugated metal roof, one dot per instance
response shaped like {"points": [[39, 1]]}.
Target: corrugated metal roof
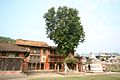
{"points": [[5, 47]]}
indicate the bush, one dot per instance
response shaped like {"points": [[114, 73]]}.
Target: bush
{"points": [[113, 67]]}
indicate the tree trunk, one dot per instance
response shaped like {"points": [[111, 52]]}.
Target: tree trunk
{"points": [[66, 68]]}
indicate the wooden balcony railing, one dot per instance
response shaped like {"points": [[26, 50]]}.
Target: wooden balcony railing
{"points": [[55, 55], [34, 60], [55, 60]]}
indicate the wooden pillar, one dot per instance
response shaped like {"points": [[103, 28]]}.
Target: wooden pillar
{"points": [[58, 68], [85, 69], [35, 66], [62, 67], [31, 66], [81, 67], [66, 68], [55, 66], [46, 62], [40, 65], [22, 67], [77, 67], [47, 66], [44, 66]]}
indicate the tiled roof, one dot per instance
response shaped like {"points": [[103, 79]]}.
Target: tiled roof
{"points": [[5, 47], [31, 43]]}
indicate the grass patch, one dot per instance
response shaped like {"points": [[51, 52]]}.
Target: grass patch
{"points": [[92, 77]]}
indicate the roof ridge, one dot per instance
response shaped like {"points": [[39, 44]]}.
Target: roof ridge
{"points": [[31, 43]]}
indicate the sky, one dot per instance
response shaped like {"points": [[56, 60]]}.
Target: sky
{"points": [[23, 19]]}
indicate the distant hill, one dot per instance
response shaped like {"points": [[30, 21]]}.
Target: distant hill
{"points": [[7, 40]]}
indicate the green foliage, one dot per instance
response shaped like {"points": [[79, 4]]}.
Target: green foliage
{"points": [[64, 28], [7, 40], [70, 59]]}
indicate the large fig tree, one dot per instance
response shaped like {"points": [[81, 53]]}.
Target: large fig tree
{"points": [[64, 28]]}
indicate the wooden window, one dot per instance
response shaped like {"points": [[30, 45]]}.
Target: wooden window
{"points": [[44, 51], [3, 54], [11, 55], [16, 54], [35, 50]]}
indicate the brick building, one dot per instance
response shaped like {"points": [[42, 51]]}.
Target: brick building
{"points": [[42, 56], [12, 58]]}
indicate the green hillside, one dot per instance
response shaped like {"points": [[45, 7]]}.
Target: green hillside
{"points": [[7, 40]]}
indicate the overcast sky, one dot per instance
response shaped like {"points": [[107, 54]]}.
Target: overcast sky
{"points": [[23, 19]]}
